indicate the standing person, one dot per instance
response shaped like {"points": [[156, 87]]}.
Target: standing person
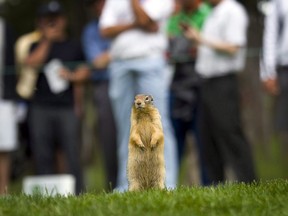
{"points": [[8, 122], [138, 66], [184, 90], [274, 67], [96, 51], [54, 112], [221, 55]]}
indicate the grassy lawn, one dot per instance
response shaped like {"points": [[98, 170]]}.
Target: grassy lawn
{"points": [[267, 197], [262, 198]]}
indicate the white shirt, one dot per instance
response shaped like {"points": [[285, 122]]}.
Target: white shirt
{"points": [[228, 23], [135, 42], [275, 45]]}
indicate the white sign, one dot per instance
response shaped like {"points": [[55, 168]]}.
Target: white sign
{"points": [[49, 185]]}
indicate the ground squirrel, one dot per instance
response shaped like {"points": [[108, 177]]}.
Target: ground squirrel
{"points": [[146, 165]]}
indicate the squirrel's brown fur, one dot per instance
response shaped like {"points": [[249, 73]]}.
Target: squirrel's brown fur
{"points": [[146, 165]]}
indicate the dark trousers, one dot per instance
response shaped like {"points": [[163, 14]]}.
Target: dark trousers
{"points": [[221, 132], [282, 100], [184, 127], [52, 129], [106, 131], [184, 107]]}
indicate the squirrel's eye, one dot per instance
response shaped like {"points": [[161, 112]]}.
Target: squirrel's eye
{"points": [[147, 98]]}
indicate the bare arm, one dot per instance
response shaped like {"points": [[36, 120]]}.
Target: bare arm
{"points": [[224, 47], [81, 74], [102, 61], [227, 48], [271, 86], [38, 56], [111, 32], [142, 18], [78, 92]]}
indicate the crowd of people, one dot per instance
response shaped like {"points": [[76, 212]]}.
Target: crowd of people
{"points": [[125, 50]]}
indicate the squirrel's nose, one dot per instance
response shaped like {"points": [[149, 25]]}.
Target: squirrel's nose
{"points": [[138, 103]]}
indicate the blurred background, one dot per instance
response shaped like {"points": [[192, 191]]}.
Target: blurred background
{"points": [[257, 107]]}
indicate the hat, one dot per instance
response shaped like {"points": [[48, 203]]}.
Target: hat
{"points": [[50, 8]]}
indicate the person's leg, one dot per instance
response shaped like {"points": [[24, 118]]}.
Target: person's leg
{"points": [[283, 142], [179, 130], [212, 160], [228, 133], [67, 128], [195, 129], [152, 80], [106, 132], [8, 141], [42, 140], [121, 93], [4, 172], [282, 114]]}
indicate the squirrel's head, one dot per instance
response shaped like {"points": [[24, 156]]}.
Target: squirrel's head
{"points": [[142, 101]]}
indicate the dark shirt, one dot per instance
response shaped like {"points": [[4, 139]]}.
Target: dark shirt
{"points": [[9, 73], [70, 53]]}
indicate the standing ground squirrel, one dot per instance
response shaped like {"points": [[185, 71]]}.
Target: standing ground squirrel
{"points": [[146, 165]]}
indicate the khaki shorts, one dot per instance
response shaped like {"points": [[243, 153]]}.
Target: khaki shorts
{"points": [[8, 126]]}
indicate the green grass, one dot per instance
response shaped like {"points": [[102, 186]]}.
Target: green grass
{"points": [[271, 161], [261, 198]]}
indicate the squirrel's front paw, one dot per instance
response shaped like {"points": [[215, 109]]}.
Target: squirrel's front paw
{"points": [[141, 145], [153, 143]]}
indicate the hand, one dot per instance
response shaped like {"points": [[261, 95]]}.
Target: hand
{"points": [[151, 27], [271, 86], [51, 33], [102, 61], [65, 74], [193, 34]]}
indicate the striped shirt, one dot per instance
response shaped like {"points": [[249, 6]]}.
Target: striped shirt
{"points": [[275, 39]]}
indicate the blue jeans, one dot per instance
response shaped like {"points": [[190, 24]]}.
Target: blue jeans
{"points": [[131, 77]]}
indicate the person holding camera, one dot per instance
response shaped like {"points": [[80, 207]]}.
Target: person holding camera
{"points": [[221, 55], [55, 105], [184, 88]]}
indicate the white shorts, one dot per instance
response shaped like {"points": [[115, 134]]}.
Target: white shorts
{"points": [[8, 126]]}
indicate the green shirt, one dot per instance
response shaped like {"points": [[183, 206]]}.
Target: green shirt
{"points": [[195, 19]]}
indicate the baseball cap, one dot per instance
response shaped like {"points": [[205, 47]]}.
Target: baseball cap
{"points": [[50, 8]]}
